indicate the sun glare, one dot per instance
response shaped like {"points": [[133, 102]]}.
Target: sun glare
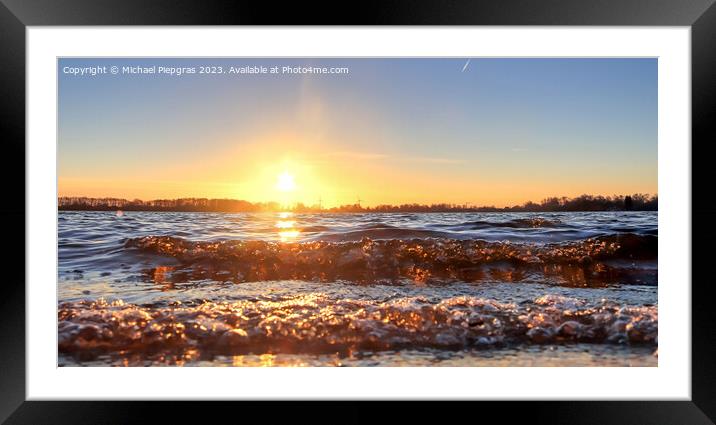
{"points": [[285, 182]]}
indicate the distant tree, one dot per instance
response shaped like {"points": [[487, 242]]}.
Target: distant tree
{"points": [[634, 202], [628, 203]]}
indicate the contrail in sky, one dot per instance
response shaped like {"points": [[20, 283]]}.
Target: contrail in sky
{"points": [[465, 66]]}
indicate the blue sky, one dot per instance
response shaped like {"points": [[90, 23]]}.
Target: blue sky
{"points": [[497, 131]]}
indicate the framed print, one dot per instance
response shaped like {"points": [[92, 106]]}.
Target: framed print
{"points": [[411, 202]]}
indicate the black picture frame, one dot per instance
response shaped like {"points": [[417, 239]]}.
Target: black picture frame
{"points": [[16, 15]]}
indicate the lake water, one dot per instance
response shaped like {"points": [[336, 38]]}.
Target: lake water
{"points": [[453, 289]]}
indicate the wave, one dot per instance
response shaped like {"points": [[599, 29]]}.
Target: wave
{"points": [[595, 260], [317, 323], [382, 233], [517, 223]]}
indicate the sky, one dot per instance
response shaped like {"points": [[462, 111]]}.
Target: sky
{"points": [[481, 131]]}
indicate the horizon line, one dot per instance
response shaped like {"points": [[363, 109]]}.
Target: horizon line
{"points": [[561, 200], [266, 202]]}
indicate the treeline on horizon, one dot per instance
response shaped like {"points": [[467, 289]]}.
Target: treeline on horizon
{"points": [[635, 202]]}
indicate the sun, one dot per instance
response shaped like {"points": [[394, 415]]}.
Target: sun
{"points": [[285, 182]]}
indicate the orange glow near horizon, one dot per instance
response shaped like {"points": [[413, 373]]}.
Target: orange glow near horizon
{"points": [[290, 168], [332, 185], [340, 179], [311, 176]]}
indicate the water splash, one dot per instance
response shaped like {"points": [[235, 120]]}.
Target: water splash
{"points": [[316, 323]]}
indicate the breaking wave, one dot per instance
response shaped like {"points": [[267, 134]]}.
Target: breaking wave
{"points": [[317, 323], [598, 260]]}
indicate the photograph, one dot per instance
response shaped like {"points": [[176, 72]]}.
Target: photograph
{"points": [[357, 211]]}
